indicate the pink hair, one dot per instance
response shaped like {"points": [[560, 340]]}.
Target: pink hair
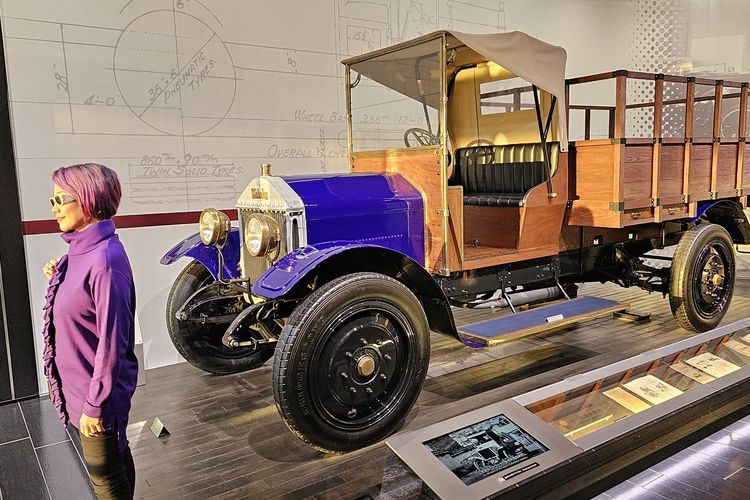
{"points": [[95, 187]]}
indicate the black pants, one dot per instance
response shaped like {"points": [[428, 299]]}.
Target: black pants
{"points": [[112, 474]]}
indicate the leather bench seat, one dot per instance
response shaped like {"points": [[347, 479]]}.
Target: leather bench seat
{"points": [[500, 176]]}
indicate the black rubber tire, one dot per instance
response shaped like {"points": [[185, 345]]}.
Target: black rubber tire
{"points": [[314, 339], [688, 307], [201, 345]]}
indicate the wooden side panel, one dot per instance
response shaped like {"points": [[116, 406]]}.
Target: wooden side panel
{"points": [[700, 172], [726, 169], [420, 166], [542, 216], [637, 164], [496, 227], [596, 177], [671, 170], [746, 169], [594, 172]]}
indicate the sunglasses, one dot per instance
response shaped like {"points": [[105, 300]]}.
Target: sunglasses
{"points": [[61, 199]]}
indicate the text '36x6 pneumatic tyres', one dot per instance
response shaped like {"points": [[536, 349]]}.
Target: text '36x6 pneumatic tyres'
{"points": [[200, 344], [702, 277], [350, 362]]}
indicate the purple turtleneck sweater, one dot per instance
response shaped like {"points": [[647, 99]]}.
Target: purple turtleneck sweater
{"points": [[90, 331]]}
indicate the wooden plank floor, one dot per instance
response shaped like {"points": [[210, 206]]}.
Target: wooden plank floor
{"points": [[228, 441]]}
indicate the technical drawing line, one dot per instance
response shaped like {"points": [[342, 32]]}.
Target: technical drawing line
{"points": [[210, 12], [213, 136], [87, 105], [57, 41], [495, 26], [182, 118], [261, 46], [126, 6], [155, 72], [67, 78], [477, 6], [99, 27], [66, 23], [286, 72], [381, 103]]}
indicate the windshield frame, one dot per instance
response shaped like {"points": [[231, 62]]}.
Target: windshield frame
{"points": [[442, 145]]}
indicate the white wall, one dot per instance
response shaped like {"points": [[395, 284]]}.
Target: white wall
{"points": [[82, 73]]}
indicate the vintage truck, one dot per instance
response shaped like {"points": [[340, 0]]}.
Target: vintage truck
{"points": [[462, 188]]}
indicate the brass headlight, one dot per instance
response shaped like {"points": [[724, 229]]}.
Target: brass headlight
{"points": [[214, 226], [261, 235]]}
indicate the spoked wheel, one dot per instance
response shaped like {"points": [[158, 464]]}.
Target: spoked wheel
{"points": [[200, 344], [350, 362], [702, 277]]}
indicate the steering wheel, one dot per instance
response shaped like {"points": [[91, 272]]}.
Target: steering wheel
{"points": [[420, 137], [480, 142]]}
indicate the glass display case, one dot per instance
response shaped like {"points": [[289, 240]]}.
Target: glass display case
{"points": [[609, 399]]}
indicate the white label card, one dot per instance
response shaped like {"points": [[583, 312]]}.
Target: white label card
{"points": [[712, 364], [652, 389]]}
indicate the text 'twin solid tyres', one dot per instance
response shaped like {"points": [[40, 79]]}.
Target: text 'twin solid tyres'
{"points": [[350, 362]]}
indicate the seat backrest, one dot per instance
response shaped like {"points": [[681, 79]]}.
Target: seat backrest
{"points": [[507, 168]]}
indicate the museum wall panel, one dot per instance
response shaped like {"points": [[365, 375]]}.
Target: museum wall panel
{"points": [[186, 99]]}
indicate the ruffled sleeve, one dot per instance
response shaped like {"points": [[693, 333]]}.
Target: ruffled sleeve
{"points": [[48, 333]]}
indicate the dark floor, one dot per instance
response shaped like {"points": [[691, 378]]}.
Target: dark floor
{"points": [[38, 459], [713, 468], [228, 441]]}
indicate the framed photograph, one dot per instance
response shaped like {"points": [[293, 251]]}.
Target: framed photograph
{"points": [[484, 451], [477, 451]]}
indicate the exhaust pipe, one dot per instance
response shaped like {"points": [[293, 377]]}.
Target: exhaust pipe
{"points": [[520, 298]]}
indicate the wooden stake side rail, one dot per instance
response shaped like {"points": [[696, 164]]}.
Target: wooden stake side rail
{"points": [[623, 181]]}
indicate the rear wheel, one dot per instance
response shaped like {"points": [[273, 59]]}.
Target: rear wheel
{"points": [[702, 277], [200, 344], [351, 361]]}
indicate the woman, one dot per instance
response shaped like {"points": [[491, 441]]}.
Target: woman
{"points": [[89, 325]]}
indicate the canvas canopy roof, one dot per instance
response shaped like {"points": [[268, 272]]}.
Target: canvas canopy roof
{"points": [[535, 61]]}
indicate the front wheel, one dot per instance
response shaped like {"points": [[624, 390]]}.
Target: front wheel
{"points": [[702, 277], [200, 344], [350, 362]]}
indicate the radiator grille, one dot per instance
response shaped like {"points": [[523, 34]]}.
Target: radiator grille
{"points": [[253, 267]]}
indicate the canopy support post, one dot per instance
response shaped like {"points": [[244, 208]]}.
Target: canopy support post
{"points": [[543, 131]]}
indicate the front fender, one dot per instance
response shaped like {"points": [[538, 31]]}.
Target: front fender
{"points": [[193, 247], [294, 266]]}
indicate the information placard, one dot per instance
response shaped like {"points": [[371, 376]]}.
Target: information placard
{"points": [[484, 451]]}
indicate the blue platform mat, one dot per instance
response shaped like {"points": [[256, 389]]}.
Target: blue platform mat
{"points": [[535, 320]]}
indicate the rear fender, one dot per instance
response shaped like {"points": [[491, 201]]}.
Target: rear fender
{"points": [[193, 247], [730, 216], [297, 273]]}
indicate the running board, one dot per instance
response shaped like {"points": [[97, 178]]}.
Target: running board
{"points": [[540, 319]]}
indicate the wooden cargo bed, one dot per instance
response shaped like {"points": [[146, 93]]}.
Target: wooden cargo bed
{"points": [[621, 181]]}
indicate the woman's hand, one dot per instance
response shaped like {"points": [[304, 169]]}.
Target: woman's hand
{"points": [[50, 268], [90, 427]]}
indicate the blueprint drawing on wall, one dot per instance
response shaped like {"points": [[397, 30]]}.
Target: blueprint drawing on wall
{"points": [[185, 98]]}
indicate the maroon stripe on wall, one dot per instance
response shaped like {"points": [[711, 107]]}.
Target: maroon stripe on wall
{"points": [[123, 221]]}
